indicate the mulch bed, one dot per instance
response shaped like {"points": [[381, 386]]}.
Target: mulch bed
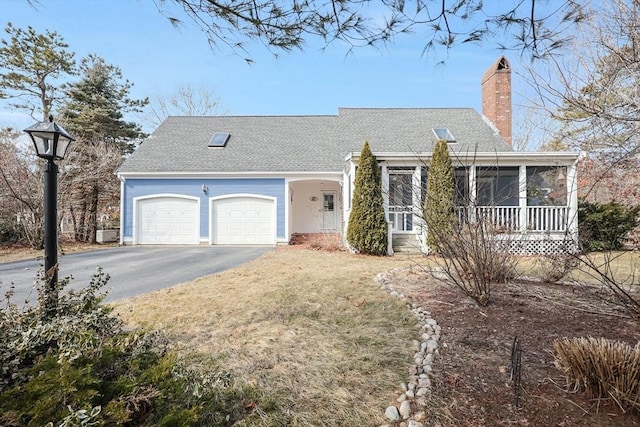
{"points": [[473, 370]]}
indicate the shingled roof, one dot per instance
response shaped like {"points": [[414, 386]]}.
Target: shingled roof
{"points": [[305, 143]]}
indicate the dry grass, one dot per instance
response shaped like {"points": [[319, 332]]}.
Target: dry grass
{"points": [[310, 326], [625, 267], [606, 369]]}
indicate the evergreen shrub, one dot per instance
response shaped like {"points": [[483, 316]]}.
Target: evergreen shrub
{"points": [[367, 230], [604, 226]]}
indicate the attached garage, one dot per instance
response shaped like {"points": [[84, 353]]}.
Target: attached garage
{"points": [[167, 220], [243, 220]]}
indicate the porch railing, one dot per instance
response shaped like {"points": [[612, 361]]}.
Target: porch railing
{"points": [[538, 218], [547, 218], [504, 218], [401, 218]]}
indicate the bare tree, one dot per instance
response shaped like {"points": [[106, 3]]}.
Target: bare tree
{"points": [[187, 100], [21, 193]]}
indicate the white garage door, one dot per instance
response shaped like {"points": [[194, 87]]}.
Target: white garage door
{"points": [[167, 221], [244, 221]]}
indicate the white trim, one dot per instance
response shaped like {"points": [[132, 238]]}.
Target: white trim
{"points": [[287, 206], [122, 199], [249, 195], [504, 158], [135, 200], [235, 175]]}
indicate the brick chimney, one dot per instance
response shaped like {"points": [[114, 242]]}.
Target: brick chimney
{"points": [[496, 97]]}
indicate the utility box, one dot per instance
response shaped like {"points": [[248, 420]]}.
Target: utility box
{"points": [[106, 236]]}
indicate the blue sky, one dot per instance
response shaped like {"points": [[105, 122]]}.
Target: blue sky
{"points": [[158, 58]]}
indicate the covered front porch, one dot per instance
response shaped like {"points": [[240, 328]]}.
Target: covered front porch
{"points": [[315, 206], [529, 197]]}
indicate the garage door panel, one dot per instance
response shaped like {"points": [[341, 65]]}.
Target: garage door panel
{"points": [[167, 220], [243, 220]]}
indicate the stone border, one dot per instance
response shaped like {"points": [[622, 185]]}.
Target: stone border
{"points": [[410, 406]]}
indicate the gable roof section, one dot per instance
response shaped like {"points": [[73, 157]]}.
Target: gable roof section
{"points": [[409, 130], [256, 144], [303, 143]]}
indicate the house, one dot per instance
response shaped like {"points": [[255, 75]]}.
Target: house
{"points": [[246, 180]]}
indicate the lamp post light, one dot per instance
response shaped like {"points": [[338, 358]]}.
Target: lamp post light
{"points": [[51, 142]]}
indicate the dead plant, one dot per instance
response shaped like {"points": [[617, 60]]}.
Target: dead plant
{"points": [[605, 369], [475, 256]]}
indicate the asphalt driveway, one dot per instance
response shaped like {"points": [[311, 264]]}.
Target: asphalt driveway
{"points": [[134, 270]]}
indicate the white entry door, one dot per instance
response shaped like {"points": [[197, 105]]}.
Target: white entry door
{"points": [[329, 222], [167, 220], [243, 220]]}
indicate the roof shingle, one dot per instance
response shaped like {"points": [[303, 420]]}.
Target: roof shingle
{"points": [[304, 143]]}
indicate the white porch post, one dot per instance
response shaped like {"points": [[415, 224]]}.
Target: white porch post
{"points": [[416, 184], [522, 197], [473, 197], [384, 175], [348, 197], [287, 209], [385, 189], [572, 199]]}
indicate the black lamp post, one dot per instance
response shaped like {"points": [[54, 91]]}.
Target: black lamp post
{"points": [[51, 142]]}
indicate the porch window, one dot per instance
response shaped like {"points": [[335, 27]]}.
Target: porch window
{"points": [[546, 186], [547, 208], [497, 186], [460, 182]]}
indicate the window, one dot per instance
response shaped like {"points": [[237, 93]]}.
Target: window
{"points": [[219, 139], [546, 186], [401, 186], [460, 182], [498, 186], [443, 134]]}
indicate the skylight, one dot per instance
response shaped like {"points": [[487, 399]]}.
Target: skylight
{"points": [[219, 139], [443, 133]]}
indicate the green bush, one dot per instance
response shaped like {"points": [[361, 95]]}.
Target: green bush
{"points": [[439, 214], [367, 229], [604, 226], [83, 367]]}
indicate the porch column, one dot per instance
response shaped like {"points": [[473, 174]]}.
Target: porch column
{"points": [[473, 198], [572, 199], [385, 189], [287, 209], [416, 197], [522, 197]]}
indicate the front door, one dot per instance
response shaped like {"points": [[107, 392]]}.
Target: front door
{"points": [[328, 211]]}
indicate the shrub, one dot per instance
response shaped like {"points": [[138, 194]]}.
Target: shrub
{"points": [[604, 226], [439, 212], [554, 267], [82, 367], [474, 256], [605, 369], [367, 229]]}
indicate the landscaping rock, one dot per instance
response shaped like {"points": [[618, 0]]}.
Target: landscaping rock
{"points": [[392, 413], [405, 409]]}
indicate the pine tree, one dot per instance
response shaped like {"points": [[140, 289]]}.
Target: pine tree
{"points": [[32, 68], [367, 230], [95, 114], [439, 202]]}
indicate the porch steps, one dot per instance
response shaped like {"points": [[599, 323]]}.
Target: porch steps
{"points": [[406, 244]]}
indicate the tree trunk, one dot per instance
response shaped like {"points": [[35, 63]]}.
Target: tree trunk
{"points": [[92, 223]]}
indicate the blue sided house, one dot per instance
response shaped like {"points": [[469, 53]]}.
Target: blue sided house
{"points": [[259, 180]]}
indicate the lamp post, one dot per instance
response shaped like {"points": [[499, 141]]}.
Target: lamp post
{"points": [[51, 142]]}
